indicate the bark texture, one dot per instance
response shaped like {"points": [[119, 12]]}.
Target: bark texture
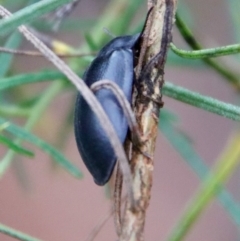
{"points": [[147, 103]]}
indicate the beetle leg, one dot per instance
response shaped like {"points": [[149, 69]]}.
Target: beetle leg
{"points": [[117, 200], [107, 84], [157, 101], [135, 146]]}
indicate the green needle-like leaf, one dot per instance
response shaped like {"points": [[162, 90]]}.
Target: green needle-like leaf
{"points": [[204, 102], [7, 142], [21, 79], [56, 155], [16, 234], [6, 59], [226, 165], [28, 14], [186, 149], [193, 43]]}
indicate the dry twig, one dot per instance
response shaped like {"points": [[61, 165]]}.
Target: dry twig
{"points": [[38, 54], [157, 36]]}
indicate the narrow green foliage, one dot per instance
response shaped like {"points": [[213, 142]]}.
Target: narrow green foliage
{"points": [[187, 151], [11, 110], [9, 143], [233, 7], [56, 155], [210, 187], [16, 234], [22, 79], [28, 14], [91, 44], [36, 113], [6, 59], [193, 43], [124, 21], [204, 102]]}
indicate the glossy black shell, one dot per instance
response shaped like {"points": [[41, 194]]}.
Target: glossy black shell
{"points": [[114, 62]]}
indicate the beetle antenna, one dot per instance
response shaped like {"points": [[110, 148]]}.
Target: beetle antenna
{"points": [[108, 32], [99, 226]]}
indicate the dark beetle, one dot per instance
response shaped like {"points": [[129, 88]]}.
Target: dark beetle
{"points": [[114, 62]]}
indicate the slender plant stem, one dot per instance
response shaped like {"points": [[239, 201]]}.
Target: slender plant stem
{"points": [[16, 234], [36, 113], [226, 165], [207, 53], [203, 102], [192, 42]]}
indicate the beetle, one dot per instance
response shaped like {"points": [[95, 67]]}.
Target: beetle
{"points": [[115, 62]]}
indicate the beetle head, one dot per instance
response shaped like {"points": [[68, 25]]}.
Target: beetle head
{"points": [[122, 42]]}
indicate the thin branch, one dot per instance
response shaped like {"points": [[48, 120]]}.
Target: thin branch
{"points": [[157, 35]]}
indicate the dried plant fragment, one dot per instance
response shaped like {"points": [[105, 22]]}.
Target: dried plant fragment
{"points": [[156, 39]]}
